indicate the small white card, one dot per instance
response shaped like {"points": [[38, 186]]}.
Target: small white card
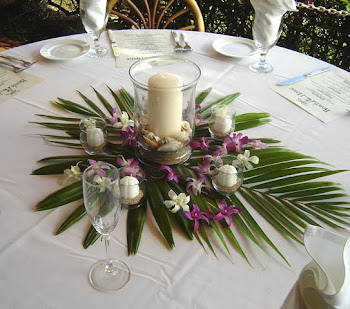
{"points": [[325, 96], [11, 83], [136, 45]]}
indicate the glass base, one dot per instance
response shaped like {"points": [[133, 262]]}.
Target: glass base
{"points": [[93, 53], [109, 281], [259, 67]]}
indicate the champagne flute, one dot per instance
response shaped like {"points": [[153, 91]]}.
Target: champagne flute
{"points": [[94, 16], [266, 32], [102, 204]]}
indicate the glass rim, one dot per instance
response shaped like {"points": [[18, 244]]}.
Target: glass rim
{"points": [[89, 168], [164, 58]]}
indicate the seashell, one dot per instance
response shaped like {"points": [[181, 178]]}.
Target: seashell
{"points": [[183, 136], [172, 146], [149, 142], [152, 136], [168, 140], [143, 120], [185, 126]]}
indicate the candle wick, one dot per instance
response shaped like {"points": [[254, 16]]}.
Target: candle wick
{"points": [[162, 76]]}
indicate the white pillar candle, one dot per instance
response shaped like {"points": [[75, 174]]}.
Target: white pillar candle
{"points": [[227, 176], [129, 187], [165, 101], [94, 137]]}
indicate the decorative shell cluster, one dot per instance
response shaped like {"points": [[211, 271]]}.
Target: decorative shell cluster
{"points": [[168, 143]]}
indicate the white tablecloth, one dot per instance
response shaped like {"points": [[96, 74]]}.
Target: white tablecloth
{"points": [[40, 270]]}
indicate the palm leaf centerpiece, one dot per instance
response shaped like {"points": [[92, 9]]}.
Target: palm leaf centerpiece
{"points": [[285, 187]]}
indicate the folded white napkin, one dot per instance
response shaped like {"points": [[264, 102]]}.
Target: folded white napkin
{"points": [[95, 15], [325, 281], [268, 17]]}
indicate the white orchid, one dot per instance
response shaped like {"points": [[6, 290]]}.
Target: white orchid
{"points": [[177, 202], [246, 159], [124, 121], [103, 182], [74, 173]]}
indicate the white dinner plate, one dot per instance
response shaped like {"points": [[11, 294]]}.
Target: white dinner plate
{"points": [[235, 47], [65, 49]]}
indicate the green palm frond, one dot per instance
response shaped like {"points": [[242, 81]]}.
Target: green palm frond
{"points": [[286, 188]]}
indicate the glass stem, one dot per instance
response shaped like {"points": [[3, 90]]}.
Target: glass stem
{"points": [[109, 265], [262, 59], [97, 45]]}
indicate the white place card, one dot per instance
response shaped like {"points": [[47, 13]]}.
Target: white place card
{"points": [[325, 96], [11, 83], [136, 45]]}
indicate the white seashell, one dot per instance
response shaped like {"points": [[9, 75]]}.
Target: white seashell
{"points": [[186, 126], [172, 146], [152, 136], [168, 140], [183, 136]]}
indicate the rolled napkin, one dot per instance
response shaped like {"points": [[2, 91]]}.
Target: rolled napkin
{"points": [[268, 17], [325, 281]]}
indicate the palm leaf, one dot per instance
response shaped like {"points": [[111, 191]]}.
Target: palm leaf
{"points": [[288, 189]]}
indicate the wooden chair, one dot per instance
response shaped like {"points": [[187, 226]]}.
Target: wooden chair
{"points": [[157, 14]]}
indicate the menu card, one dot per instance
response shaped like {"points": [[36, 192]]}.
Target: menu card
{"points": [[136, 45], [325, 96], [11, 83]]}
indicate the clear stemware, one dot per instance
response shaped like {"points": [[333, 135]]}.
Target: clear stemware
{"points": [[102, 204], [94, 16], [266, 33]]}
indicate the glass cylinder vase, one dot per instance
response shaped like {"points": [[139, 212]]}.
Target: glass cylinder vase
{"points": [[164, 108]]}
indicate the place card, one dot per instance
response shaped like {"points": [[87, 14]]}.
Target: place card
{"points": [[325, 96], [12, 84], [136, 45]]}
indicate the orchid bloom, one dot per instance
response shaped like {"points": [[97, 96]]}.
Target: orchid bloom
{"points": [[97, 165], [130, 167], [102, 180], [177, 202], [205, 168], [171, 173], [196, 185], [128, 136], [203, 144], [74, 173], [234, 142], [220, 150], [198, 118], [196, 215], [124, 122], [226, 212], [246, 159], [257, 144]]}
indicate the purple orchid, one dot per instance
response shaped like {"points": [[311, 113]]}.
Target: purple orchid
{"points": [[226, 212], [171, 173], [196, 185], [205, 168], [220, 150], [130, 167], [257, 144], [196, 215], [234, 142], [128, 136], [203, 144]]}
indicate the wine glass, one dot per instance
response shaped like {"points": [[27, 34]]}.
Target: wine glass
{"points": [[94, 15], [102, 204], [266, 32]]}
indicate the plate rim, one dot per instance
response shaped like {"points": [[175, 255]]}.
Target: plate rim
{"points": [[231, 39], [85, 45]]}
